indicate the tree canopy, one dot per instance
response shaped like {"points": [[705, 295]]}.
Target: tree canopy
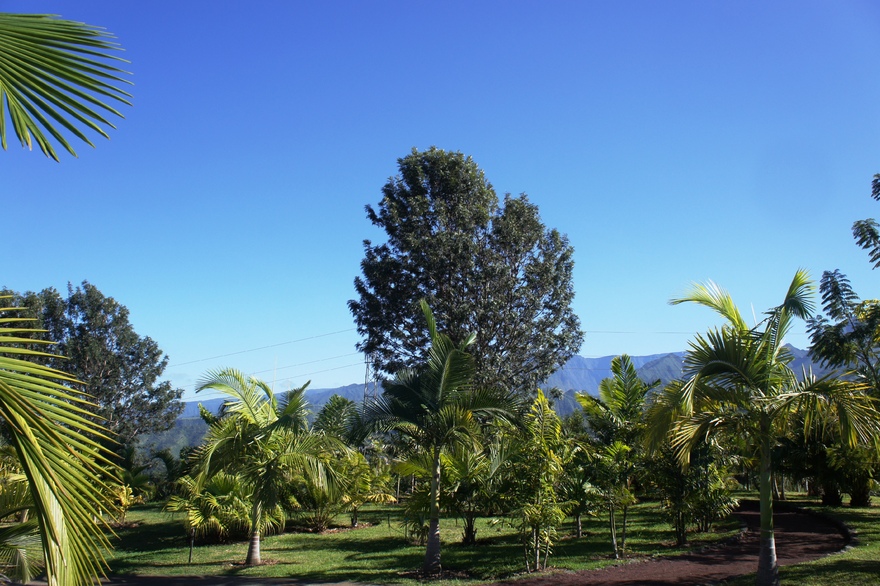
{"points": [[483, 267], [99, 347]]}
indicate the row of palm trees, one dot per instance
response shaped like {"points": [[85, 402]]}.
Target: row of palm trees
{"points": [[737, 390], [474, 451]]}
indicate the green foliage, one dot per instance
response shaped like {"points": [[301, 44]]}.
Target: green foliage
{"points": [[538, 466], [56, 77], [866, 232], [340, 418], [693, 496], [616, 428], [495, 270], [737, 382], [121, 370], [57, 448], [266, 444], [848, 335], [437, 407], [214, 507]]}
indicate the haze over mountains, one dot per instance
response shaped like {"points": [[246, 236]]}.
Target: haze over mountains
{"points": [[580, 374]]}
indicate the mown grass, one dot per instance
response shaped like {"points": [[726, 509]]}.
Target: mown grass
{"points": [[379, 553], [857, 565]]}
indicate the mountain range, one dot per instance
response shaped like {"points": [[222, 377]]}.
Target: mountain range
{"points": [[580, 374]]}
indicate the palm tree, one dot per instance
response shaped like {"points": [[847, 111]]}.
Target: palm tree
{"points": [[616, 420], [437, 407], [265, 441], [737, 380], [59, 453], [56, 77]]}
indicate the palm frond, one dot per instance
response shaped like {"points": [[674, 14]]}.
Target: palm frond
{"points": [[714, 297], [59, 452], [57, 78]]}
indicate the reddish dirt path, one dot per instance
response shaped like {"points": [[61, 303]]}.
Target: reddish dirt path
{"points": [[800, 537]]}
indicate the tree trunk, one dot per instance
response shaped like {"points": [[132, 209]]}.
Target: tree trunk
{"points": [[768, 570], [580, 527], [470, 529], [613, 530], [623, 534], [253, 552], [431, 566], [860, 493]]}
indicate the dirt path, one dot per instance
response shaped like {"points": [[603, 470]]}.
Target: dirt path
{"points": [[799, 538]]}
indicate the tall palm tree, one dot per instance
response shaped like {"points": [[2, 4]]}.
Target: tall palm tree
{"points": [[437, 407], [265, 441], [56, 79], [737, 380], [59, 453]]}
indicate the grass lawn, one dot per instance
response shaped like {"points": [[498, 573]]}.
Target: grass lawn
{"points": [[379, 553]]}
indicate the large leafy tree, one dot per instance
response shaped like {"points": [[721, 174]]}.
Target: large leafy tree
{"points": [[737, 381], [867, 232], [121, 370], [482, 267], [59, 452], [266, 442], [58, 79], [847, 334], [437, 407]]}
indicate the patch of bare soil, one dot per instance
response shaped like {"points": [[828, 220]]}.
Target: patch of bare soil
{"points": [[799, 538]]}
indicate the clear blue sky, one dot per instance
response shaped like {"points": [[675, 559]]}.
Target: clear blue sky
{"points": [[672, 141]]}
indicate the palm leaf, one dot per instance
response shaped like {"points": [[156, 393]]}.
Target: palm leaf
{"points": [[59, 453], [56, 78]]}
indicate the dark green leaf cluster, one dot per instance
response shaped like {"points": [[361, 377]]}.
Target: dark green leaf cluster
{"points": [[120, 369], [483, 268]]}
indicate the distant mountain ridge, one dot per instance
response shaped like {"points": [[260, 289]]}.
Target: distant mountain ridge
{"points": [[580, 374]]}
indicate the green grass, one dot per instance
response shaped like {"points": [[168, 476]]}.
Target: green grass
{"points": [[379, 553], [858, 565]]}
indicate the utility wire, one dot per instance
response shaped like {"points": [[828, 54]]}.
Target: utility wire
{"points": [[261, 348]]}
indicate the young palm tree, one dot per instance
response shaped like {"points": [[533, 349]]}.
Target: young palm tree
{"points": [[265, 441], [616, 420], [737, 380], [55, 80], [437, 407], [59, 453]]}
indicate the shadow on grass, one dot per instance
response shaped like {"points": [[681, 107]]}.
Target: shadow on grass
{"points": [[830, 571]]}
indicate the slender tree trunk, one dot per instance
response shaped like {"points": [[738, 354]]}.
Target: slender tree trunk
{"points": [[580, 527], [253, 552], [470, 528], [768, 570], [613, 529], [623, 534], [432, 553], [537, 543]]}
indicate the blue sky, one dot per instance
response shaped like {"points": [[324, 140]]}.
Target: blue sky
{"points": [[673, 142]]}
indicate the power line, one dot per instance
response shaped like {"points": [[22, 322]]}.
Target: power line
{"points": [[261, 348], [305, 363]]}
